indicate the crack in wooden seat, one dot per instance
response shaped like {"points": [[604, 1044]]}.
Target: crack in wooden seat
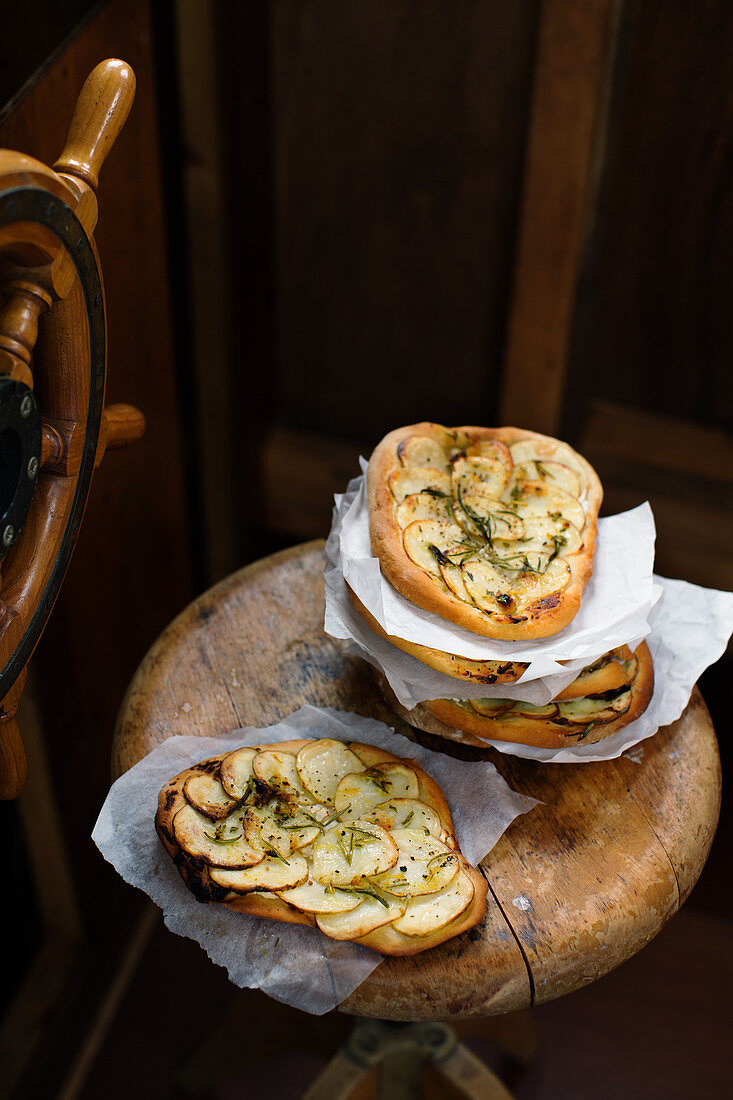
{"points": [[576, 886]]}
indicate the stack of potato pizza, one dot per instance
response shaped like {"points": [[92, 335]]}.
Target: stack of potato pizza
{"points": [[494, 530]]}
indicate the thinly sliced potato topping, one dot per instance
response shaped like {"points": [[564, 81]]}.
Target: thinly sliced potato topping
{"points": [[491, 708], [580, 711], [421, 450], [369, 914], [316, 897], [424, 865], [425, 536], [453, 577], [220, 844], [418, 479], [236, 771], [590, 709], [430, 911], [322, 764], [319, 829], [206, 794], [268, 827], [347, 853], [271, 873], [423, 506], [512, 510], [358, 794], [406, 813], [469, 471], [278, 770]]}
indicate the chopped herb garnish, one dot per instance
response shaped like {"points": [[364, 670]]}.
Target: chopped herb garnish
{"points": [[276, 855], [219, 838], [335, 816]]}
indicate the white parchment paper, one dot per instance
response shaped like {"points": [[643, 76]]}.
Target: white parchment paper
{"points": [[616, 607], [291, 963]]}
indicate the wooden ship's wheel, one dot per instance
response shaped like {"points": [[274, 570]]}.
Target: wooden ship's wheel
{"points": [[54, 428]]}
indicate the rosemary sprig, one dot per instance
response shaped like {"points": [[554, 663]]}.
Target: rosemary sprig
{"points": [[377, 779], [484, 525], [218, 838], [586, 731], [370, 893], [335, 816], [276, 855]]}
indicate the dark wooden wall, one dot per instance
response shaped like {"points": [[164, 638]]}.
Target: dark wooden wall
{"points": [[398, 149]]}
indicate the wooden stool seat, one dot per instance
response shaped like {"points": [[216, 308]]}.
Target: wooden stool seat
{"points": [[577, 885]]}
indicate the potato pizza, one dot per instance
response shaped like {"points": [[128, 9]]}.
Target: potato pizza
{"points": [[338, 835], [492, 529], [607, 695]]}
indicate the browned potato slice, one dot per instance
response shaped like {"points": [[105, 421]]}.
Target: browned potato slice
{"points": [[207, 795], [421, 450], [420, 536], [314, 897], [546, 529], [484, 584], [536, 586], [429, 912], [539, 498], [267, 829], [478, 478], [221, 845], [406, 813], [530, 710], [236, 770], [368, 915], [491, 708], [358, 794], [594, 710], [269, 874], [555, 472], [493, 449], [322, 764], [347, 853], [424, 865], [416, 479], [453, 577], [278, 770], [422, 506]]}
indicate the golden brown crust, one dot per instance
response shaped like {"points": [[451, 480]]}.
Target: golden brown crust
{"points": [[459, 722], [196, 873], [537, 618], [460, 668]]}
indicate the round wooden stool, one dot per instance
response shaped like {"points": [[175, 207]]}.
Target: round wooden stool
{"points": [[576, 886]]}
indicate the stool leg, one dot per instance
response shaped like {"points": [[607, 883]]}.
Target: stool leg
{"points": [[341, 1080], [402, 1052], [469, 1076]]}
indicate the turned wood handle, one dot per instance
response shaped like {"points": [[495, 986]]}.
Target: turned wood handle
{"points": [[101, 109], [121, 424]]}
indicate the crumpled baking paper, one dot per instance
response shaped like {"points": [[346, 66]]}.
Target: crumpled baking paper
{"points": [[686, 627], [291, 963]]}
